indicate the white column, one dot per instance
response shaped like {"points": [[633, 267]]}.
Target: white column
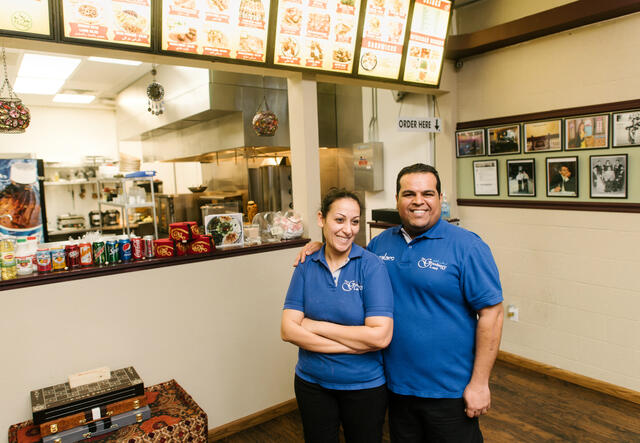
{"points": [[305, 163]]}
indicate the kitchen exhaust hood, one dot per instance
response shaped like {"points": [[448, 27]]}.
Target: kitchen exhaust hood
{"points": [[194, 96]]}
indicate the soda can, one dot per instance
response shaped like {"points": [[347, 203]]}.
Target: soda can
{"points": [[86, 254], [148, 246], [43, 260], [113, 256], [137, 251], [124, 249], [99, 253], [72, 253], [58, 260]]}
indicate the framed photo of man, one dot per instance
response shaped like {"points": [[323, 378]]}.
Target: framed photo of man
{"points": [[504, 140], [562, 176], [626, 128], [590, 132], [545, 136], [521, 178], [470, 143], [485, 177], [608, 176]]}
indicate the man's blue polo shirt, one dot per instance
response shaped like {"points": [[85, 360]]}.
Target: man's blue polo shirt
{"points": [[363, 290], [440, 280]]}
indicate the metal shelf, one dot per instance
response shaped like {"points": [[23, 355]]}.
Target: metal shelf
{"points": [[124, 182]]}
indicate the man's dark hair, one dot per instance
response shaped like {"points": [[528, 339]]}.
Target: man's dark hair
{"points": [[336, 194], [419, 168]]}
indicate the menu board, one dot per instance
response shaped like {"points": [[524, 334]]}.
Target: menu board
{"points": [[317, 34], [30, 16], [385, 24], [427, 36], [126, 22], [223, 28]]}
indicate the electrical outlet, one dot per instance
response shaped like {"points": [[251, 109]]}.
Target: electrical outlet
{"points": [[513, 313]]}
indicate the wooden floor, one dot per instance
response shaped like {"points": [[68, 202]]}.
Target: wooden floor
{"points": [[527, 407]]}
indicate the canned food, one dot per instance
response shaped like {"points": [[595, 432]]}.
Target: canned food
{"points": [[137, 251], [147, 241], [58, 260], [72, 253], [86, 254], [99, 253], [43, 260], [113, 256], [124, 249]]}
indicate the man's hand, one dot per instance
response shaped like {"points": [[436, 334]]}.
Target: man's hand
{"points": [[308, 249], [477, 399]]}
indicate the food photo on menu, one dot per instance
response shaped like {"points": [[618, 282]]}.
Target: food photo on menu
{"points": [[126, 22]]}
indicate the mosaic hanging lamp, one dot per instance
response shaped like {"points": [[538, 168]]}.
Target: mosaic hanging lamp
{"points": [[265, 121], [155, 95], [14, 116]]}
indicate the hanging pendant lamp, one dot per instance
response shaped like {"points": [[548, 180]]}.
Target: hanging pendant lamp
{"points": [[155, 95], [14, 116]]}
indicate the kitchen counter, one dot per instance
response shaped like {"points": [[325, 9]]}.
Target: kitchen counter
{"points": [[138, 265]]}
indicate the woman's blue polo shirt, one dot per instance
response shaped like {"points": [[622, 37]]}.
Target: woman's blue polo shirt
{"points": [[363, 290], [440, 279]]}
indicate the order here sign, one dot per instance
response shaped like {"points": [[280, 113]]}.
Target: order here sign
{"points": [[411, 124]]}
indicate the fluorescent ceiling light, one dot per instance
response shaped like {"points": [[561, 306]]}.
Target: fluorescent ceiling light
{"points": [[46, 86], [47, 66], [73, 98], [116, 61]]}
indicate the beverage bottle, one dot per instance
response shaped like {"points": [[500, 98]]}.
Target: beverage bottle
{"points": [[445, 210], [32, 241], [24, 261], [8, 257]]}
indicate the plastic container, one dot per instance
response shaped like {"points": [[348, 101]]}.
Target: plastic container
{"points": [[24, 260], [445, 209], [8, 257]]}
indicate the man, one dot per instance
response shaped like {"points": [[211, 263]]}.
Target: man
{"points": [[448, 317], [564, 182]]}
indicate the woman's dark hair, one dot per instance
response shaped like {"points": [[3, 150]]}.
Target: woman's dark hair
{"points": [[336, 194], [418, 168]]}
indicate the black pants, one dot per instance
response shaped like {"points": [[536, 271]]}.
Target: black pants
{"points": [[422, 420], [361, 413]]}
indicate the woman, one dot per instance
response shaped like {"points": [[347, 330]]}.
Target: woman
{"points": [[339, 311]]}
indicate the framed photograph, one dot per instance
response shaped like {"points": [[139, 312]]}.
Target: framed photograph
{"points": [[470, 143], [587, 132], [504, 140], [608, 176], [545, 136], [562, 176], [626, 128], [521, 177], [225, 229], [485, 177]]}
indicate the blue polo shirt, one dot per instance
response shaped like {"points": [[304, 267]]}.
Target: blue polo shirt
{"points": [[440, 280], [363, 290]]}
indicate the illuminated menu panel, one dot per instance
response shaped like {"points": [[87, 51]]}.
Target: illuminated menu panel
{"points": [[30, 16], [126, 22], [317, 34], [234, 29], [385, 24], [426, 41]]}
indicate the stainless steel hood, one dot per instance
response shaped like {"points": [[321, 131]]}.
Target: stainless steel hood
{"points": [[194, 96]]}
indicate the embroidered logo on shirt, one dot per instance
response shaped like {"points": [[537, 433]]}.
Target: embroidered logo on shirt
{"points": [[429, 263], [386, 257], [351, 286]]}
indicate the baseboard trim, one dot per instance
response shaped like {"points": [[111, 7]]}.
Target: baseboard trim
{"points": [[252, 420], [571, 377]]}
